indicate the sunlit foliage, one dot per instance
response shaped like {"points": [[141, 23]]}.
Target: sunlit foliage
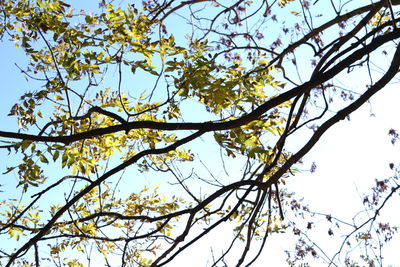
{"points": [[123, 90]]}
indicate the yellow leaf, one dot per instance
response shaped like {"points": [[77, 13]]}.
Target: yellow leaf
{"points": [[58, 97]]}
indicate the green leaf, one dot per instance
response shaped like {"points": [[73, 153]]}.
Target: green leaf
{"points": [[56, 155], [43, 158]]}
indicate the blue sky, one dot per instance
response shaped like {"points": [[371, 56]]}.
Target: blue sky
{"points": [[349, 157]]}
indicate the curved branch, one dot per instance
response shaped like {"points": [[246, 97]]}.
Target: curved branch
{"points": [[218, 126], [87, 189], [342, 114]]}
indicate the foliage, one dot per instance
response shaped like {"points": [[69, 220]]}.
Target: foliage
{"points": [[144, 89]]}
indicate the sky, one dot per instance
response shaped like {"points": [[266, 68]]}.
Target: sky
{"points": [[348, 158]]}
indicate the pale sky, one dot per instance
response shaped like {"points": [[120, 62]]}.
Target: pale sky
{"points": [[348, 158]]}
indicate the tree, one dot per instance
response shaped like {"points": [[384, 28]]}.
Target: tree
{"points": [[124, 88]]}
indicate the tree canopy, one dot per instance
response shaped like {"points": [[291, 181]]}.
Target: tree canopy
{"points": [[202, 96]]}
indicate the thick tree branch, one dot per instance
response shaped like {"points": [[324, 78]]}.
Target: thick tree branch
{"points": [[218, 126]]}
